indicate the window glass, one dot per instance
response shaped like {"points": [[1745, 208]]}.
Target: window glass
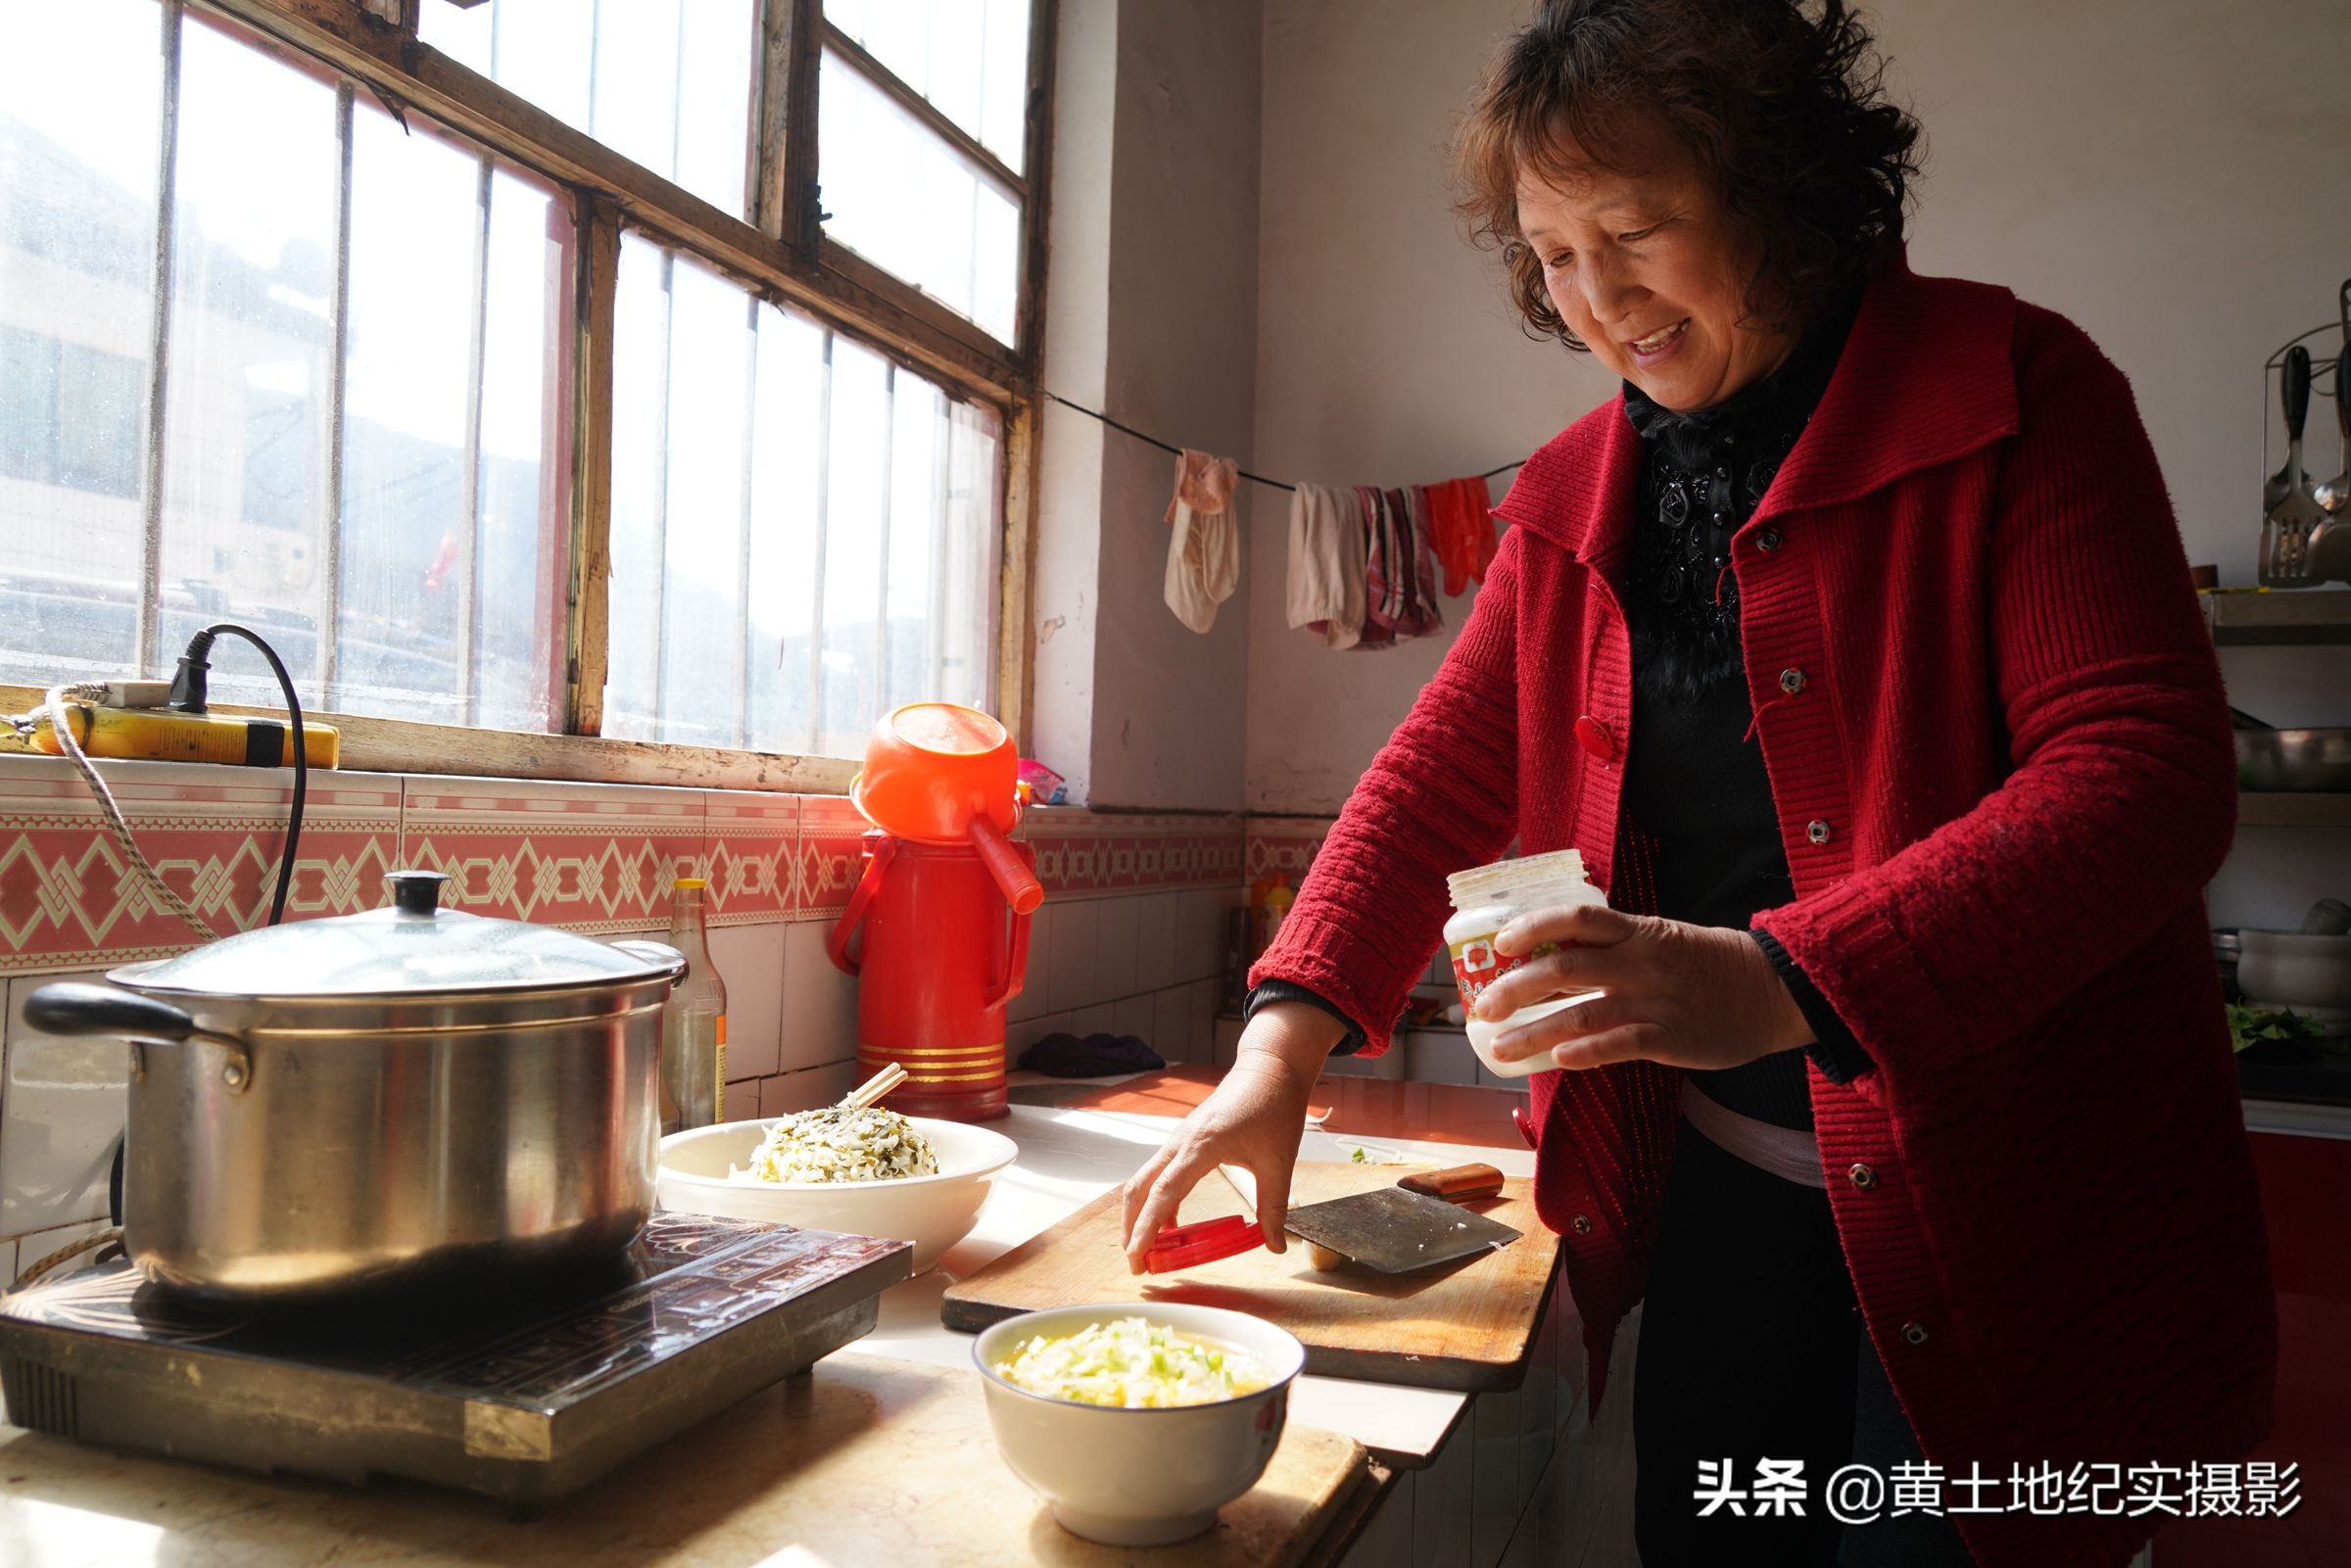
{"points": [[970, 58], [523, 478], [80, 96], [803, 534], [666, 83], [362, 403], [412, 313], [249, 410], [902, 196]]}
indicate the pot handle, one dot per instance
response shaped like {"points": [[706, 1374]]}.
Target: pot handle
{"points": [[880, 850], [73, 1008]]}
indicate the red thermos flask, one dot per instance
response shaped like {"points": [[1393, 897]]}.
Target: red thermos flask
{"points": [[940, 950]]}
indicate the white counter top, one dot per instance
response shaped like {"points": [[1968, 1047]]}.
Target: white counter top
{"points": [[1069, 1158]]}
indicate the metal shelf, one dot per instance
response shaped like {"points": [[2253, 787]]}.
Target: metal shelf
{"points": [[2293, 808], [2290, 617]]}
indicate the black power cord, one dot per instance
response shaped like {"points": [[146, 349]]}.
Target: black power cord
{"points": [[188, 695]]}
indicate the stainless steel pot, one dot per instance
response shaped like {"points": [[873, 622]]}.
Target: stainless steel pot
{"points": [[410, 1098]]}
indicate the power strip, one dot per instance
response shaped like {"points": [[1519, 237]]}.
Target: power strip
{"points": [[155, 732]]}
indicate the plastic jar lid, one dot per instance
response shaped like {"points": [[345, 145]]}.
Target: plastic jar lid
{"points": [[1499, 882]]}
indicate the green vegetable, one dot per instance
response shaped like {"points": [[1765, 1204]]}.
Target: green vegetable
{"points": [[2257, 1025], [1132, 1363], [1359, 1157]]}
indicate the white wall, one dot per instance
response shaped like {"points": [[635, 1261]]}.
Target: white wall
{"points": [[2174, 175], [1386, 351], [1152, 315]]}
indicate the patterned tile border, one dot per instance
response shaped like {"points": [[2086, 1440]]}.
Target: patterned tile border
{"points": [[1282, 845], [594, 858], [829, 859], [749, 845], [589, 857], [1083, 855], [69, 899]]}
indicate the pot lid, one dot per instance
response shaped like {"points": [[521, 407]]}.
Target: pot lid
{"points": [[409, 947]]}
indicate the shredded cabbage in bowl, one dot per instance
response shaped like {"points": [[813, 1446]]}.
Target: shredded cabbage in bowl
{"points": [[1132, 1363], [833, 1145]]}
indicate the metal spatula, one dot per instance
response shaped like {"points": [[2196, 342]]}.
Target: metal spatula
{"points": [[1394, 1231], [2286, 530]]}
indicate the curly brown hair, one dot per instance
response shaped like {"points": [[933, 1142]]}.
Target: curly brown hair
{"points": [[1785, 113]]}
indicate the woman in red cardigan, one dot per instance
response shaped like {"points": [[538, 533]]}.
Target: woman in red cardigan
{"points": [[1854, 650]]}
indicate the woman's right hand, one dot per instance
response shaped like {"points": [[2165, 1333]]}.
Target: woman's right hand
{"points": [[1253, 1119]]}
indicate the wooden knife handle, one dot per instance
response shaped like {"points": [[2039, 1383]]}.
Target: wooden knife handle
{"points": [[1456, 1184]]}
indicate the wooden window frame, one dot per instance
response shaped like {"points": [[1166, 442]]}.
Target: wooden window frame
{"points": [[781, 255]]}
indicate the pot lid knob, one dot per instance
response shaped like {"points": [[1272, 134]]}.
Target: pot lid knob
{"points": [[415, 892]]}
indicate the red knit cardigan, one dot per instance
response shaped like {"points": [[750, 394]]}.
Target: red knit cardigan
{"points": [[2003, 782]]}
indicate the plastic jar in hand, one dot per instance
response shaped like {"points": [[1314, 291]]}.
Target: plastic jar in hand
{"points": [[1485, 900]]}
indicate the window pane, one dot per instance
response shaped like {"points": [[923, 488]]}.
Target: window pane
{"points": [[639, 446], [80, 93], [415, 204], [523, 534], [664, 82], [852, 693], [969, 57], [902, 196], [710, 358], [445, 535], [803, 534], [249, 406], [447, 296], [787, 515]]}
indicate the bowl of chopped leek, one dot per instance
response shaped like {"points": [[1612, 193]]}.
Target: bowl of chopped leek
{"points": [[866, 1172], [1138, 1421]]}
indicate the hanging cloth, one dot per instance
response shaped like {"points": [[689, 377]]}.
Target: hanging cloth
{"points": [[1204, 547], [1380, 553], [1461, 531], [1327, 564], [1418, 614]]}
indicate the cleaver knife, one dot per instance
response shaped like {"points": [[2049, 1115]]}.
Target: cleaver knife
{"points": [[1417, 1224]]}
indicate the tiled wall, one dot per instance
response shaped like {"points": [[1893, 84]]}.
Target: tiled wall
{"points": [[1129, 940]]}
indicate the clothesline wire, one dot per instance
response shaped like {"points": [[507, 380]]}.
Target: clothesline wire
{"points": [[1255, 479]]}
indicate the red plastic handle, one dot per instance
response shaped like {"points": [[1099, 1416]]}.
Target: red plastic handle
{"points": [[1022, 890], [880, 850], [1456, 1184], [1016, 964], [1203, 1241], [1525, 1125]]}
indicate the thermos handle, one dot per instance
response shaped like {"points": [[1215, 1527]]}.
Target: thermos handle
{"points": [[880, 849], [1016, 964], [1021, 888]]}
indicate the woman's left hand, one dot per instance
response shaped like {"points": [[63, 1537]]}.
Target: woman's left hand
{"points": [[1692, 996]]}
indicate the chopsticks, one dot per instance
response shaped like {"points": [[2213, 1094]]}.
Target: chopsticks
{"points": [[874, 1089]]}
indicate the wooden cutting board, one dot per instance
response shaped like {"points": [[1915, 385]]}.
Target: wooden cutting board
{"points": [[862, 1460], [1470, 1328]]}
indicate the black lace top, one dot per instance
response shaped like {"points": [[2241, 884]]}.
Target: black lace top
{"points": [[1694, 771]]}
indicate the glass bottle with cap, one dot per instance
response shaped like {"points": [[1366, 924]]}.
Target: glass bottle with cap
{"points": [[1485, 899], [693, 1020]]}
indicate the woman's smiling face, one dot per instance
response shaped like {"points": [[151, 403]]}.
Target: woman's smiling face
{"points": [[1647, 269]]}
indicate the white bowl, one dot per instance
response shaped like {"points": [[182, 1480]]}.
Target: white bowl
{"points": [[2294, 970], [934, 1213], [1139, 1478]]}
